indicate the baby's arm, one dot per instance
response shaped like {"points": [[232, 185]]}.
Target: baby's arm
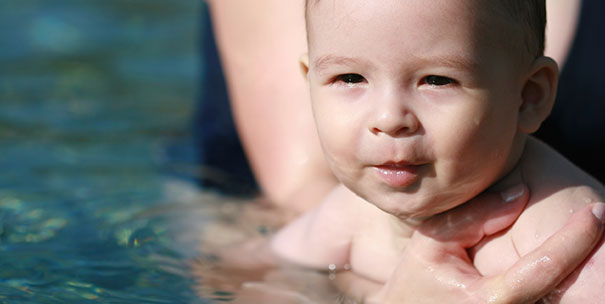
{"points": [[321, 237]]}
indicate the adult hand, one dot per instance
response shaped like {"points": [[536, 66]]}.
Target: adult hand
{"points": [[436, 268]]}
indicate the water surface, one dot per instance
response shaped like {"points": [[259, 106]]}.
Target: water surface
{"points": [[95, 111]]}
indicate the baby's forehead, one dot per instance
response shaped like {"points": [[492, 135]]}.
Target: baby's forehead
{"points": [[483, 10], [488, 20]]}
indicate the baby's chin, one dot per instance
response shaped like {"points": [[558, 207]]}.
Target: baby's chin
{"points": [[411, 208], [408, 212], [415, 203]]}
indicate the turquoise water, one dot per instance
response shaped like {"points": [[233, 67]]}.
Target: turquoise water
{"points": [[96, 102]]}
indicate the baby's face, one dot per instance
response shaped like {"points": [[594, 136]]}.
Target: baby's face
{"points": [[415, 107]]}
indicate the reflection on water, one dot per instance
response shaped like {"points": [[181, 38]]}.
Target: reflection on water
{"points": [[95, 103]]}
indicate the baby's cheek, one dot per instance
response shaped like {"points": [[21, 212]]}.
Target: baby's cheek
{"points": [[338, 140], [337, 151]]}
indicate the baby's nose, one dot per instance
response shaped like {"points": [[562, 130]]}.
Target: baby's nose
{"points": [[395, 123]]}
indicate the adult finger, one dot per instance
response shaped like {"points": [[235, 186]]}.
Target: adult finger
{"points": [[538, 272], [435, 267], [466, 225]]}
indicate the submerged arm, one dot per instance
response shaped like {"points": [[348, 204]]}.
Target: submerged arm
{"points": [[322, 236]]}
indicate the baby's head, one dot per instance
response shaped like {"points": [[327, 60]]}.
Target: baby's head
{"points": [[524, 21], [420, 105]]}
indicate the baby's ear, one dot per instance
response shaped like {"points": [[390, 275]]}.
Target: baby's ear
{"points": [[304, 64], [538, 94]]}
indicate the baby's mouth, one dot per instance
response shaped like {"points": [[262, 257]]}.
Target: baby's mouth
{"points": [[398, 175]]}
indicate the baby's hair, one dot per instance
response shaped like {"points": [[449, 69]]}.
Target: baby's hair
{"points": [[529, 15]]}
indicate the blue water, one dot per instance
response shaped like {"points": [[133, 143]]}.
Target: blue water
{"points": [[96, 103]]}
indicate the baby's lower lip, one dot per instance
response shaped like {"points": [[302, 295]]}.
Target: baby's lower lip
{"points": [[398, 175]]}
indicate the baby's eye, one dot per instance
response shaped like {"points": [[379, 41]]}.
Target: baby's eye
{"points": [[350, 78], [438, 80]]}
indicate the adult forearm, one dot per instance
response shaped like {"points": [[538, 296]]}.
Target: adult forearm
{"points": [[260, 43]]}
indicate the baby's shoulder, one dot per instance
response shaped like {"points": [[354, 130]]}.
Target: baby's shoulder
{"points": [[557, 190], [557, 187], [547, 212], [543, 217]]}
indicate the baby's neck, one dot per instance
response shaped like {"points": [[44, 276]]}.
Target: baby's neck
{"points": [[404, 228]]}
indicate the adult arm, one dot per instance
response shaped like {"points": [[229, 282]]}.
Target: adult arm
{"points": [[563, 18], [260, 43]]}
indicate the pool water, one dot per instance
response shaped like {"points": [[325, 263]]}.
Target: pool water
{"points": [[99, 193], [96, 99]]}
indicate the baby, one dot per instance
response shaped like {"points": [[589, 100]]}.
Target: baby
{"points": [[420, 106]]}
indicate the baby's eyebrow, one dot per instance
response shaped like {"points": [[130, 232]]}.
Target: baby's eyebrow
{"points": [[323, 62], [452, 61], [459, 62]]}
